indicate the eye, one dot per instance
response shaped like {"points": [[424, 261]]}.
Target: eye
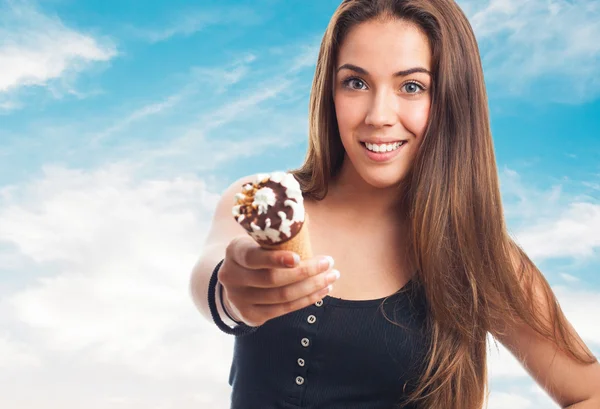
{"points": [[357, 81], [413, 87]]}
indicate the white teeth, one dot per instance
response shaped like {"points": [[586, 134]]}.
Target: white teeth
{"points": [[383, 148]]}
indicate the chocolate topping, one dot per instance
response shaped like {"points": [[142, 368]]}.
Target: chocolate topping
{"points": [[271, 209]]}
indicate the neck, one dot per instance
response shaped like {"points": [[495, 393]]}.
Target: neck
{"points": [[349, 193]]}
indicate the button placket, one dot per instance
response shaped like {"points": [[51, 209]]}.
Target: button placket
{"points": [[300, 376], [315, 312]]}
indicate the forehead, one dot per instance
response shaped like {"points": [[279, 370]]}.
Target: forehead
{"points": [[385, 47]]}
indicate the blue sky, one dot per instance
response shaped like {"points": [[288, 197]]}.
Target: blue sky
{"points": [[121, 122]]}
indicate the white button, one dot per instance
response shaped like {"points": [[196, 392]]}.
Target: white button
{"points": [[300, 361], [299, 380], [305, 342], [319, 303], [311, 319]]}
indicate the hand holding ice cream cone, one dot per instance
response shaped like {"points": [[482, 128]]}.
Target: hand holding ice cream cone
{"points": [[271, 210]]}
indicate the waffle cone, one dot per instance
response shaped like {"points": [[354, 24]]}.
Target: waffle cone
{"points": [[300, 243]]}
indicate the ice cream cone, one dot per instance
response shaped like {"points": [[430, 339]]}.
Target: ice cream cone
{"points": [[271, 210], [300, 243]]}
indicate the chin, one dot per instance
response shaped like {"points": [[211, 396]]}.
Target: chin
{"points": [[382, 179]]}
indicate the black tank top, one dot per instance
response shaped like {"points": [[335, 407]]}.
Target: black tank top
{"points": [[335, 354]]}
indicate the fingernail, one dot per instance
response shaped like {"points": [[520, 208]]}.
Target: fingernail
{"points": [[334, 275], [291, 261], [326, 262]]}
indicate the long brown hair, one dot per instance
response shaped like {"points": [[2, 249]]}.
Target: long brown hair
{"points": [[476, 279]]}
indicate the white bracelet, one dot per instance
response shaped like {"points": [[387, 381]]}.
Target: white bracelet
{"points": [[222, 313]]}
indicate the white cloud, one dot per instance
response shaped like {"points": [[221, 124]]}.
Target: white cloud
{"points": [[124, 251], [8, 106], [548, 43], [573, 233], [110, 296], [569, 278], [564, 226], [521, 201], [224, 77], [15, 354], [307, 56], [502, 400], [37, 49], [592, 185]]}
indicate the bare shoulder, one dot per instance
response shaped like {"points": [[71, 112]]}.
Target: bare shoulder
{"points": [[224, 227]]}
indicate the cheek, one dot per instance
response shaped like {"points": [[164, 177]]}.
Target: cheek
{"points": [[349, 113], [415, 118]]}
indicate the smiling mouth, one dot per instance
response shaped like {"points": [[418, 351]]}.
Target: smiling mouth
{"points": [[383, 148]]}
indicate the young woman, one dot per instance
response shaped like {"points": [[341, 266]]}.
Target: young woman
{"points": [[401, 186]]}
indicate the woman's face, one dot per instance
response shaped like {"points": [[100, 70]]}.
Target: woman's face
{"points": [[375, 105]]}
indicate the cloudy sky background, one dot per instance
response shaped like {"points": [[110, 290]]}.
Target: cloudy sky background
{"points": [[122, 122]]}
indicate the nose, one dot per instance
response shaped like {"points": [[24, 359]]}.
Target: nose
{"points": [[383, 109]]}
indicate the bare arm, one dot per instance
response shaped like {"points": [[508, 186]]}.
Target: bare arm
{"points": [[223, 229], [569, 383]]}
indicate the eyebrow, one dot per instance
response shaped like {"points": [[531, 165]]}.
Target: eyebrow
{"points": [[402, 73]]}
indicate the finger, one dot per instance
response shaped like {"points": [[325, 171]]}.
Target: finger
{"points": [[277, 310], [247, 253], [271, 278], [295, 291]]}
